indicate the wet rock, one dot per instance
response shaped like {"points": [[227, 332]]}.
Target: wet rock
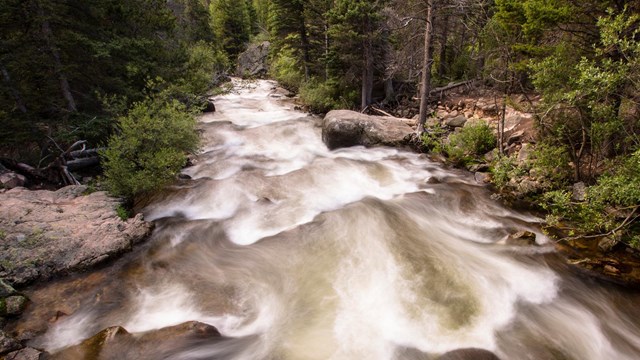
{"points": [[456, 122], [10, 180], [47, 233], [210, 107], [579, 192], [16, 304], [479, 167], [521, 238], [482, 177], [344, 128], [118, 343], [608, 243], [24, 354], [8, 344], [469, 354], [253, 61], [6, 289], [527, 186]]}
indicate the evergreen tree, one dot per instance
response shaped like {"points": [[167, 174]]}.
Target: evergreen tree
{"points": [[232, 24], [356, 28]]}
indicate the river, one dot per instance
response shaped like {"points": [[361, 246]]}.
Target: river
{"points": [[294, 251]]}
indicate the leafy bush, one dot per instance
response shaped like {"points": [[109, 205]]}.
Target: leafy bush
{"points": [[551, 162], [472, 141], [503, 169], [610, 204], [325, 96], [432, 139], [122, 212], [286, 70], [150, 147]]}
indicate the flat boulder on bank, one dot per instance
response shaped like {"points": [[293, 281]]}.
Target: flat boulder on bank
{"points": [[344, 128], [46, 233]]}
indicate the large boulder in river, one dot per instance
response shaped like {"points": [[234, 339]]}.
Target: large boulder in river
{"points": [[45, 233], [343, 128], [253, 61]]}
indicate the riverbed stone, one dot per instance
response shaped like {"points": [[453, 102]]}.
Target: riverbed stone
{"points": [[608, 243], [469, 354], [10, 180], [116, 342], [344, 128], [16, 304], [47, 233], [24, 354], [8, 343], [6, 289]]}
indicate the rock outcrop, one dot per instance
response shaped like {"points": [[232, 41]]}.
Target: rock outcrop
{"points": [[253, 61], [344, 128], [47, 233]]}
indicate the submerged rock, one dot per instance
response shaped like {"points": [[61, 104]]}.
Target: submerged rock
{"points": [[344, 128], [469, 354], [117, 343], [7, 343], [24, 354], [47, 233]]}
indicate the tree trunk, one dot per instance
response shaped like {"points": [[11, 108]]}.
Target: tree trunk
{"points": [[14, 92], [367, 74], [442, 68], [47, 35], [426, 69], [304, 41]]}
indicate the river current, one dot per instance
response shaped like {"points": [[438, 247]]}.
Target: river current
{"points": [[294, 251]]}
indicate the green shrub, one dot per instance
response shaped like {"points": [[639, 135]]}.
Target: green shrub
{"points": [[122, 212], [432, 139], [286, 70], [609, 204], [471, 142], [323, 96], [503, 169], [150, 147], [551, 162]]}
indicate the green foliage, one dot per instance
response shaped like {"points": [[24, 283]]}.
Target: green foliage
{"points": [[107, 51], [471, 142], [550, 162], [584, 93], [150, 147], [503, 169], [432, 139], [123, 213], [232, 23], [322, 97], [621, 187], [286, 70], [610, 203]]}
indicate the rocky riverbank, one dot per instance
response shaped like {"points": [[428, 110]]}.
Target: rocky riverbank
{"points": [[46, 234], [600, 258]]}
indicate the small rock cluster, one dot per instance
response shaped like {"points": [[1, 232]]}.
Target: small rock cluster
{"points": [[12, 304]]}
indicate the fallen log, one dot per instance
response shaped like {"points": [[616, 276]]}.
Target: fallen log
{"points": [[449, 87], [81, 163], [85, 153]]}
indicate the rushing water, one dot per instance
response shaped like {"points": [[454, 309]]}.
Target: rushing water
{"points": [[296, 252]]}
